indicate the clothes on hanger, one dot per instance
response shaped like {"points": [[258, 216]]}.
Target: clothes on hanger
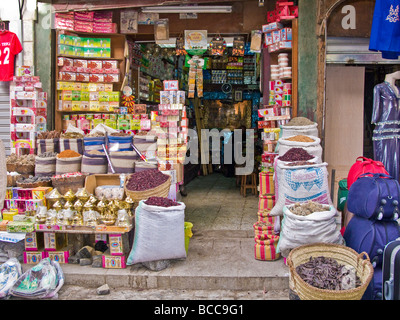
{"points": [[385, 30], [386, 135], [10, 46]]}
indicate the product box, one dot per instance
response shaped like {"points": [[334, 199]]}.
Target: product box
{"points": [[271, 27], [34, 241], [286, 34], [20, 226], [54, 241], [62, 255], [9, 215], [171, 85], [276, 36], [115, 244], [95, 180], [114, 262], [285, 44], [34, 257]]}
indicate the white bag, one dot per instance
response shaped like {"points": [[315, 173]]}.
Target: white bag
{"points": [[159, 233], [310, 130], [299, 230], [313, 148], [301, 184]]}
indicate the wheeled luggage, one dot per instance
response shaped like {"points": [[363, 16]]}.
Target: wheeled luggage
{"points": [[391, 271]]}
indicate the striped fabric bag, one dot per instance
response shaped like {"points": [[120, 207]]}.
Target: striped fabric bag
{"points": [[265, 247], [123, 161], [94, 143], [263, 227], [45, 166], [264, 215], [48, 145], [267, 185], [68, 165], [266, 202], [147, 145], [72, 144], [94, 164], [142, 166], [119, 143]]}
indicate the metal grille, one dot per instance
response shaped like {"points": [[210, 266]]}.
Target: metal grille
{"points": [[5, 115]]}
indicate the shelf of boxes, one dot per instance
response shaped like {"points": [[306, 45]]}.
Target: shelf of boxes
{"points": [[172, 134], [90, 70], [28, 112]]}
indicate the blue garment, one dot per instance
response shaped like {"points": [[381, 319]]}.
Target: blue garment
{"points": [[385, 30], [386, 135]]}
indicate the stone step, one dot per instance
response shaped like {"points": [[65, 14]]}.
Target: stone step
{"points": [[226, 263]]}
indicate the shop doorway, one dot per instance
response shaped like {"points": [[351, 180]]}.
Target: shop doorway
{"points": [[349, 108]]}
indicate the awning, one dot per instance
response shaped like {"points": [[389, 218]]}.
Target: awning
{"points": [[353, 51], [83, 5]]}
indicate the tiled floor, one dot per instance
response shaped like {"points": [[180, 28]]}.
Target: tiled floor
{"points": [[215, 206]]}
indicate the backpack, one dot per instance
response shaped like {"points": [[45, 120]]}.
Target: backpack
{"points": [[364, 165], [371, 236], [375, 196]]}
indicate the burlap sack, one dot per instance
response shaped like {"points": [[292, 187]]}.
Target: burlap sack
{"points": [[68, 165], [94, 164], [45, 166]]}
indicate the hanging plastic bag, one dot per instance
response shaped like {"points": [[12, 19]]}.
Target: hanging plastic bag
{"points": [[10, 271], [42, 281]]}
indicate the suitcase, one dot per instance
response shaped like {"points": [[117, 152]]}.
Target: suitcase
{"points": [[391, 271]]}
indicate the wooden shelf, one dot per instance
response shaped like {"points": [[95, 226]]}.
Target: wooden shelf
{"points": [[89, 58], [118, 42]]}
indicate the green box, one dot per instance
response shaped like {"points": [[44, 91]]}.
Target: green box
{"points": [[96, 52], [123, 124], [76, 95], [104, 96], [111, 123], [85, 96], [97, 122], [135, 124], [114, 96]]}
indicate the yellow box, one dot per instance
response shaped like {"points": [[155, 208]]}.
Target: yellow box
{"points": [[94, 106], [40, 192], [9, 215], [76, 106], [84, 86]]}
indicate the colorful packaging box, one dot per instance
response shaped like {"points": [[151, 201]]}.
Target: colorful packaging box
{"points": [[34, 257], [116, 247], [34, 241], [114, 262]]}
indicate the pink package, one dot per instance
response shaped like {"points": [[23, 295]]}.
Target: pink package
{"points": [[84, 15], [103, 16], [83, 26]]}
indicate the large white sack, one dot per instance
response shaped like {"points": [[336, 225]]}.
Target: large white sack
{"points": [[310, 130], [313, 148], [301, 184], [159, 233], [299, 230]]}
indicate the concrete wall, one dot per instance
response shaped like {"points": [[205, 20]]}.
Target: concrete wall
{"points": [[308, 59]]}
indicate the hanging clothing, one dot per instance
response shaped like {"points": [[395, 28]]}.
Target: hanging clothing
{"points": [[386, 136], [10, 46], [385, 30]]}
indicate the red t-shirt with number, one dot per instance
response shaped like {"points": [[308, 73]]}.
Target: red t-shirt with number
{"points": [[9, 48]]}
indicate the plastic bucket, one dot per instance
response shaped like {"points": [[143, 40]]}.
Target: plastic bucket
{"points": [[188, 234]]}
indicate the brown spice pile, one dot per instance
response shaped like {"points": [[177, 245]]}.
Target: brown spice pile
{"points": [[68, 154], [300, 138]]}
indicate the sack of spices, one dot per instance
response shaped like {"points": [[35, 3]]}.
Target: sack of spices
{"points": [[300, 125], [94, 162], [307, 223], [311, 144], [94, 143], [301, 184], [48, 145], [119, 142], [68, 161], [123, 161], [45, 164]]}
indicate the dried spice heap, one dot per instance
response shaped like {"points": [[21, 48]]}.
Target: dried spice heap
{"points": [[48, 135], [300, 138], [23, 160], [68, 154], [327, 273], [161, 202], [145, 180], [299, 122], [308, 208], [296, 154]]}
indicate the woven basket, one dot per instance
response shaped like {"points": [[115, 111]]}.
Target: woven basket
{"points": [[343, 255], [65, 184], [25, 169], [160, 191]]}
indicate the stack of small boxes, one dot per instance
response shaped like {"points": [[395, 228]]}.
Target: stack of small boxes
{"points": [[28, 112], [22, 200], [284, 10], [172, 134]]}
